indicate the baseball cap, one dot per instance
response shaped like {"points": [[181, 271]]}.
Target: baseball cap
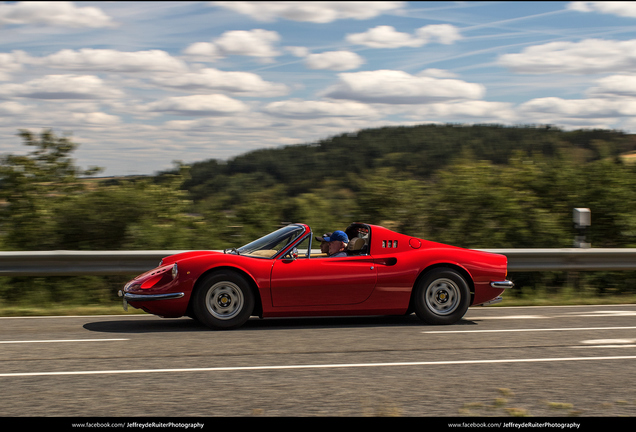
{"points": [[337, 236], [323, 237]]}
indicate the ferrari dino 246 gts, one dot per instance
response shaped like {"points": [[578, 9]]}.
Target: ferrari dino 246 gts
{"points": [[278, 275]]}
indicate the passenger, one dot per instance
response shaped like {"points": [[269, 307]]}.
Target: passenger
{"points": [[338, 242]]}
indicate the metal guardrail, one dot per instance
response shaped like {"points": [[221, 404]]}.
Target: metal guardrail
{"points": [[569, 259], [78, 263]]}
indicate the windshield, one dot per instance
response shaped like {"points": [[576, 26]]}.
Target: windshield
{"points": [[271, 244]]}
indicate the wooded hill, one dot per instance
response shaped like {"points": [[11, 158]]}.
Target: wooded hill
{"points": [[419, 151]]}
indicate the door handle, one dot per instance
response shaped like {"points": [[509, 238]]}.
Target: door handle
{"points": [[385, 261]]}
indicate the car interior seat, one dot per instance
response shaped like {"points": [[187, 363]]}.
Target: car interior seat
{"points": [[355, 246]]}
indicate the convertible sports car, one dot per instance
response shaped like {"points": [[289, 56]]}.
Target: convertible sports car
{"points": [[278, 275]]}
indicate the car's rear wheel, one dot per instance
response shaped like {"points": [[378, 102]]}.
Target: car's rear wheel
{"points": [[442, 296], [223, 300]]}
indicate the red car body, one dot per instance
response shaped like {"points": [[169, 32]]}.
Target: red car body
{"points": [[271, 278]]}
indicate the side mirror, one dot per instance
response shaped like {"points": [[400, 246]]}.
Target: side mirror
{"points": [[292, 254]]}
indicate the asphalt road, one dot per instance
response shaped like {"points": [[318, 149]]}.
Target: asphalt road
{"points": [[537, 361]]}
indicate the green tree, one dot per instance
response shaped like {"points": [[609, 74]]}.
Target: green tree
{"points": [[392, 199], [479, 205], [164, 219], [32, 185]]}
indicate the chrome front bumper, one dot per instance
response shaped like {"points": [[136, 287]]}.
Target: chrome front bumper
{"points": [[147, 297], [502, 284]]}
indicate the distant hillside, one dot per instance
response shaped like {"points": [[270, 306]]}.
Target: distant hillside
{"points": [[417, 150]]}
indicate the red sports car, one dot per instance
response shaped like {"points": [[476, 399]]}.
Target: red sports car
{"points": [[279, 275]]}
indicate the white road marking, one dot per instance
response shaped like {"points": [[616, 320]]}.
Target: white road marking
{"points": [[132, 315], [597, 314], [528, 330], [505, 317], [61, 341], [315, 366], [608, 341], [606, 346], [593, 314]]}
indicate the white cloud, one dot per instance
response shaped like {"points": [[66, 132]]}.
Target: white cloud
{"points": [[585, 57], [114, 61], [96, 118], [297, 51], [53, 13], [334, 60], [257, 43], [199, 105], [443, 33], [620, 8], [615, 85], [398, 87], [229, 126], [558, 108], [12, 108], [243, 83], [313, 109], [11, 63], [384, 37], [254, 43], [203, 51], [472, 109], [62, 87], [437, 73], [387, 37], [314, 11]]}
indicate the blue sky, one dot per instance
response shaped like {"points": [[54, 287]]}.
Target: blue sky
{"points": [[142, 84]]}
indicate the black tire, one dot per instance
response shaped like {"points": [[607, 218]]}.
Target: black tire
{"points": [[442, 296], [223, 300]]}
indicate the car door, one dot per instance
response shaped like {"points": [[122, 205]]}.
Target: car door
{"points": [[322, 281]]}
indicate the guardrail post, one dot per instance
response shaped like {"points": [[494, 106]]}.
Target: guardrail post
{"points": [[582, 221]]}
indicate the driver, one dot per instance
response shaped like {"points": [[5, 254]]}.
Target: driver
{"points": [[324, 245], [338, 242]]}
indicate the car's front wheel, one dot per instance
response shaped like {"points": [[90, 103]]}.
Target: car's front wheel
{"points": [[442, 296], [223, 300]]}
